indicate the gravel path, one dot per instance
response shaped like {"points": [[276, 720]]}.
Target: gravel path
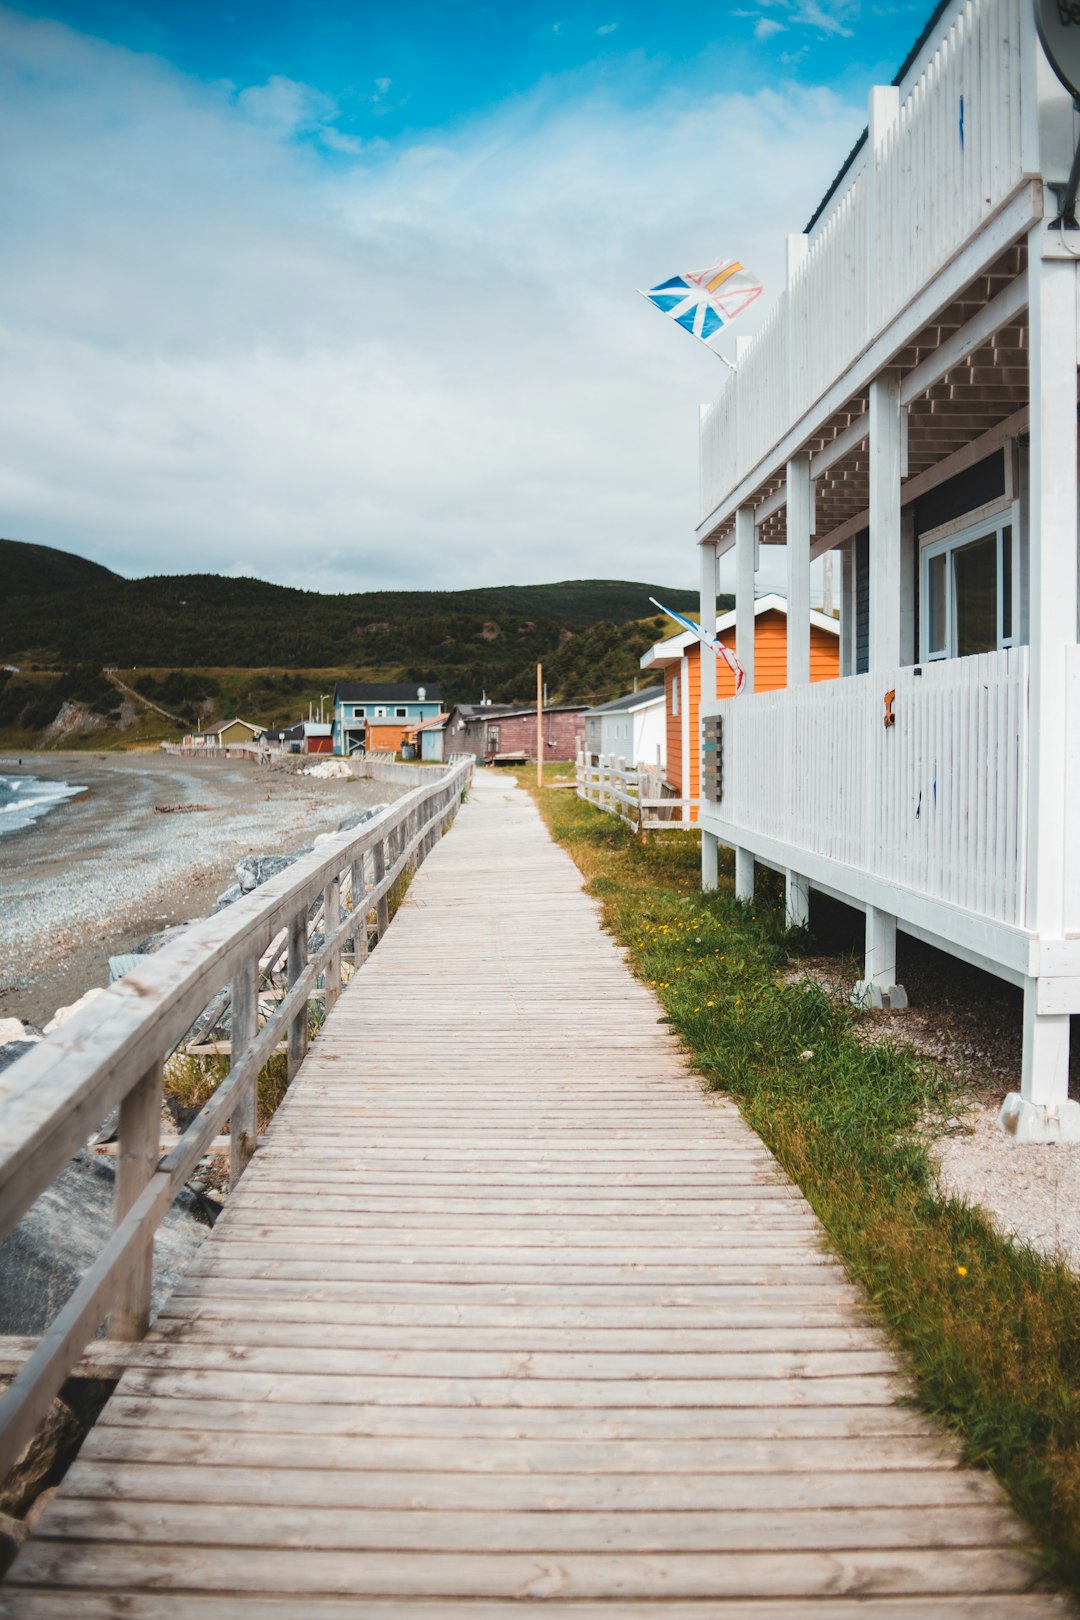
{"points": [[103, 870]]}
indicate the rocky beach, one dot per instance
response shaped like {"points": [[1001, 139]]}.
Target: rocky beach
{"points": [[152, 840]]}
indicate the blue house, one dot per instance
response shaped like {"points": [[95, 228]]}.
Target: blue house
{"points": [[372, 716]]}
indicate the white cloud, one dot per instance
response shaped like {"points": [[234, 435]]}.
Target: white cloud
{"points": [[766, 27], [415, 365], [607, 28], [383, 85]]}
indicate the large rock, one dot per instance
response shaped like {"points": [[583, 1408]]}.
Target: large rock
{"points": [[254, 870], [63, 1014], [11, 1051], [13, 1029], [59, 1237], [358, 818]]}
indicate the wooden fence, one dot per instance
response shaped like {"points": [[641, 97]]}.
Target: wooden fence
{"points": [[635, 796], [306, 921]]}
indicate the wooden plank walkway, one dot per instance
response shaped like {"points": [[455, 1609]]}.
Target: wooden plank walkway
{"points": [[508, 1312]]}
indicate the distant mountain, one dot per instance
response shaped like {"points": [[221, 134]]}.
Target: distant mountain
{"points": [[588, 634], [43, 571]]}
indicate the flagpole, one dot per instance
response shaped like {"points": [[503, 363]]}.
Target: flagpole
{"points": [[539, 725]]}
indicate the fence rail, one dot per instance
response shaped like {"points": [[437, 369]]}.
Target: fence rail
{"points": [[634, 796], [950, 159], [113, 1054], [935, 802]]}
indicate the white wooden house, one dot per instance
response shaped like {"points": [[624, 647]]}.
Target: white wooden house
{"points": [[910, 404], [629, 727]]}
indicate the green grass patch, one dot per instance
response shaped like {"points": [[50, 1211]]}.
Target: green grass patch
{"points": [[991, 1331]]}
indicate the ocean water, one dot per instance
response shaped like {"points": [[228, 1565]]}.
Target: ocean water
{"points": [[24, 799]]}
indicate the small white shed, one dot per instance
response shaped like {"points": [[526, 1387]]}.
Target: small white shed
{"points": [[630, 728]]}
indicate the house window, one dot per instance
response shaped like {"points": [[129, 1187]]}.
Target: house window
{"points": [[401, 714], [675, 697], [380, 714], [359, 712], [969, 591]]}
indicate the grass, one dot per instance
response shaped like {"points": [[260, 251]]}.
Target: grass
{"points": [[990, 1330]]}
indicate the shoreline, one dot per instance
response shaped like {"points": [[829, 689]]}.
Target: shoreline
{"points": [[101, 871]]}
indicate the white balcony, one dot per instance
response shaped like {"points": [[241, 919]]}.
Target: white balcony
{"points": [[944, 156]]}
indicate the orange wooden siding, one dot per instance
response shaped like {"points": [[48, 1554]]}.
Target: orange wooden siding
{"points": [[386, 738], [770, 673]]}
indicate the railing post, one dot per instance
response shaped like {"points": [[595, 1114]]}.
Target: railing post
{"points": [[138, 1151], [360, 945], [244, 1023], [378, 870], [298, 955], [332, 920]]}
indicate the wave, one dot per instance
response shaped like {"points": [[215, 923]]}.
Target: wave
{"points": [[25, 799]]}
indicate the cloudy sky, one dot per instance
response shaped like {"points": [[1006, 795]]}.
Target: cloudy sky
{"points": [[342, 295]]}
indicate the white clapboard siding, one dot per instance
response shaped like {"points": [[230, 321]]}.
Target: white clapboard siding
{"points": [[934, 804]]}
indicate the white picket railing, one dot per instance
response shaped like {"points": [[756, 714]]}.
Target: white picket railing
{"points": [[935, 803], [903, 213], [636, 797]]}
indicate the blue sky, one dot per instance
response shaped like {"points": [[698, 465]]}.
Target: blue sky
{"points": [[344, 295]]}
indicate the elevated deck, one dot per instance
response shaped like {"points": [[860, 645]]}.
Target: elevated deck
{"points": [[507, 1311]]}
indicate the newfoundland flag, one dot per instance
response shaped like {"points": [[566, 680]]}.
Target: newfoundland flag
{"points": [[705, 302], [707, 640]]}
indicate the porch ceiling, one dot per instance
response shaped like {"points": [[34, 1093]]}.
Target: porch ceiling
{"points": [[974, 397]]}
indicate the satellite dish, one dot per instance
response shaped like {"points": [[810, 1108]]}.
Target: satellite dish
{"points": [[1058, 26]]}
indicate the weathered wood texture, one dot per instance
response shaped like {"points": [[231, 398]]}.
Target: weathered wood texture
{"points": [[506, 1310]]}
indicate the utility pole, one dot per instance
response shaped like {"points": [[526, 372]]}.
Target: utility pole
{"points": [[539, 725]]}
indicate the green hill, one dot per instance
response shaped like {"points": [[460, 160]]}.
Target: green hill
{"points": [[43, 571], [588, 634]]}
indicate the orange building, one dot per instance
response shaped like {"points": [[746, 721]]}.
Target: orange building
{"points": [[680, 659]]}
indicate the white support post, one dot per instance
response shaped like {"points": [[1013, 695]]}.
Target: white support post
{"points": [[745, 563], [745, 628], [1042, 1110], [885, 524], [846, 554], [877, 987], [744, 875], [707, 619], [796, 900], [799, 517]]}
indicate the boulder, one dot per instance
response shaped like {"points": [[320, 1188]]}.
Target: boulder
{"points": [[358, 817], [13, 1532], [58, 1438], [11, 1051], [13, 1029], [254, 870], [63, 1014], [59, 1237]]}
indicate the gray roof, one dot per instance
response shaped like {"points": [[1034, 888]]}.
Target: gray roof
{"points": [[386, 692], [632, 700]]}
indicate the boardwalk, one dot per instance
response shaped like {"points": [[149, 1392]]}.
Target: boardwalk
{"points": [[507, 1311]]}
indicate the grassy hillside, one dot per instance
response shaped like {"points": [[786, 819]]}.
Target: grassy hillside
{"points": [[205, 648]]}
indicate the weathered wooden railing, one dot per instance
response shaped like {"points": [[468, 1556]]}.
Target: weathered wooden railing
{"points": [[933, 802], [950, 159], [113, 1054], [611, 786]]}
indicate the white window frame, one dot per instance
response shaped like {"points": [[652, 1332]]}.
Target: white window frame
{"points": [[359, 711], [946, 542], [401, 714], [676, 681], [380, 713]]}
